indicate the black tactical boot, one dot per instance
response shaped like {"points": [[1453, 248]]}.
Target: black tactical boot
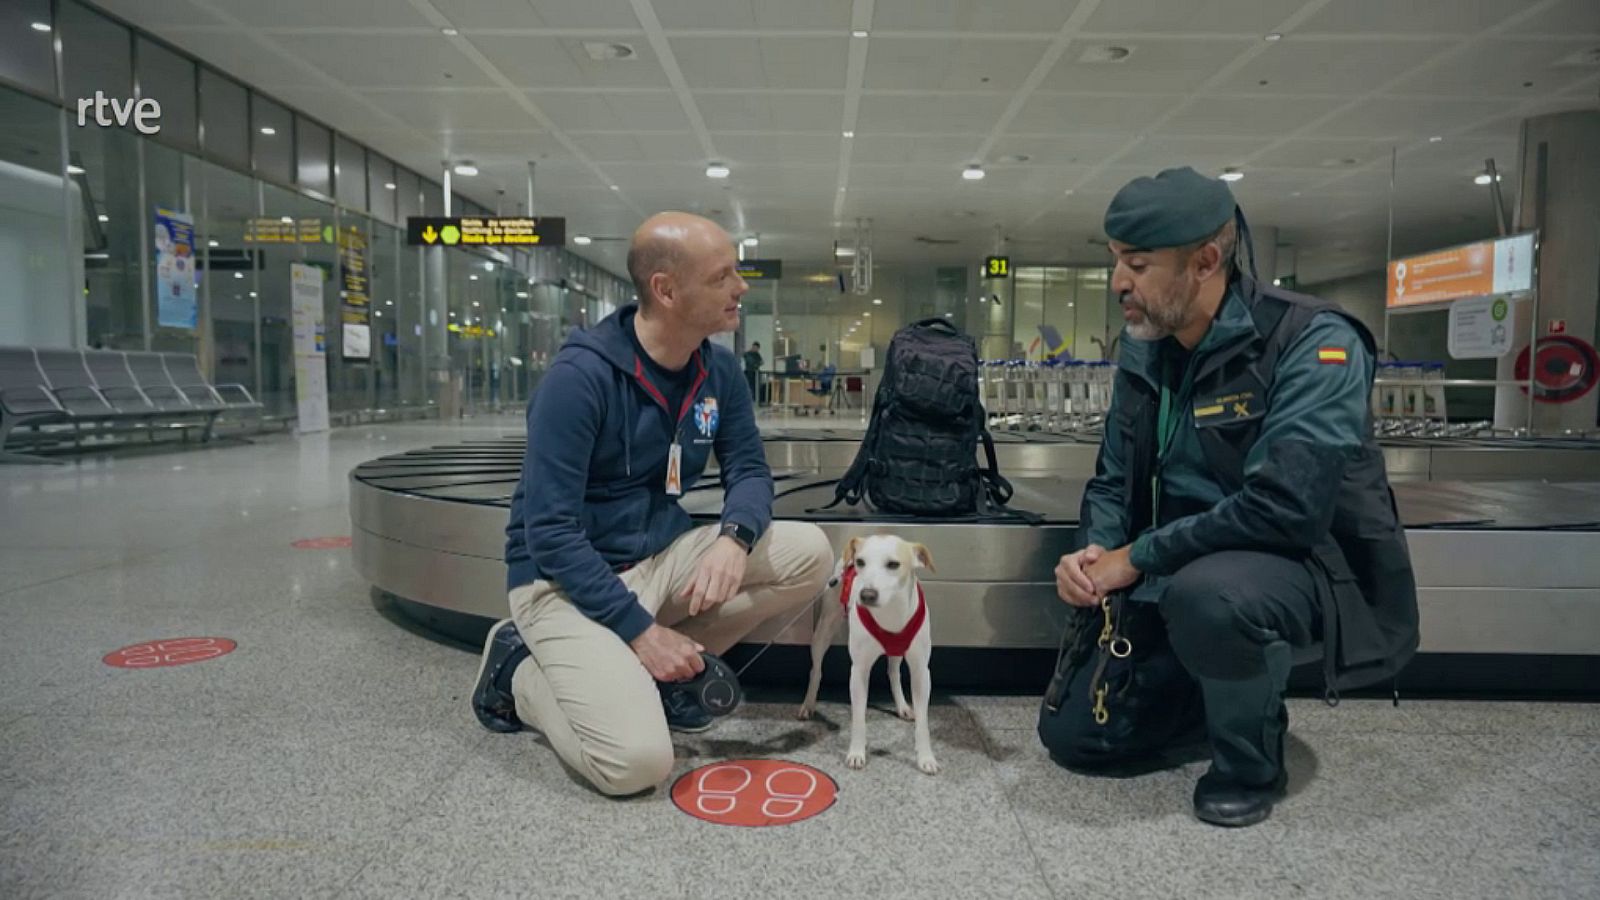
{"points": [[1219, 801]]}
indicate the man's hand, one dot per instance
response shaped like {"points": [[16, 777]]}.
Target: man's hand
{"points": [[717, 577], [1114, 571], [667, 655], [1073, 583]]}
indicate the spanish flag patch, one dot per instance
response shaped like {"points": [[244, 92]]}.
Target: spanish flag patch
{"points": [[1332, 355]]}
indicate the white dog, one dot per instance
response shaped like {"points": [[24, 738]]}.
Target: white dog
{"points": [[888, 615]]}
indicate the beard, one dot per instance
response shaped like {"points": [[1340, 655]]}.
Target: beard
{"points": [[1166, 316]]}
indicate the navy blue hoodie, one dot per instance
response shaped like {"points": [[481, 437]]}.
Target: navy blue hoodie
{"points": [[593, 498]]}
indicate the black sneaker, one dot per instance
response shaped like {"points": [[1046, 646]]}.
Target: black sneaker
{"points": [[684, 712], [492, 702], [1219, 801]]}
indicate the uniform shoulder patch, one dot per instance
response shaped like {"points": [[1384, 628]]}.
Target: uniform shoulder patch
{"points": [[1335, 356]]}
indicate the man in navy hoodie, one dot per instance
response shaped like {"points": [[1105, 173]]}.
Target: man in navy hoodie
{"points": [[614, 594]]}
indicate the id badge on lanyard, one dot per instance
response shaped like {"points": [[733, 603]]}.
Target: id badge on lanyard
{"points": [[675, 470]]}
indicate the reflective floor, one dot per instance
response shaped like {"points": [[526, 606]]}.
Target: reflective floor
{"points": [[332, 753]]}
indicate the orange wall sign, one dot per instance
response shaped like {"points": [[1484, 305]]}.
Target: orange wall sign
{"points": [[1503, 266]]}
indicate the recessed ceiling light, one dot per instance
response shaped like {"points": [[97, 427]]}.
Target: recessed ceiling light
{"points": [[41, 26], [868, 315], [1435, 139], [1483, 178], [286, 220], [522, 295], [103, 217], [582, 240], [1231, 174], [1067, 192], [717, 170], [388, 185], [949, 315], [238, 275], [449, 32], [466, 169], [751, 242], [213, 244], [74, 170], [252, 293], [849, 134], [877, 301], [1275, 36], [858, 33], [616, 188], [268, 130], [973, 172], [472, 278]]}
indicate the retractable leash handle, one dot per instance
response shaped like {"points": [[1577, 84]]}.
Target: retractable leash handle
{"points": [[716, 688]]}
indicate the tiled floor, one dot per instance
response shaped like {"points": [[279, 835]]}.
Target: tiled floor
{"points": [[332, 754]]}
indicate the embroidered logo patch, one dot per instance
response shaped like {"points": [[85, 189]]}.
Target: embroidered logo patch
{"points": [[1332, 356], [706, 417]]}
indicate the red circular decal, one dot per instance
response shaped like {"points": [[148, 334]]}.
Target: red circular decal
{"points": [[754, 793], [323, 543], [172, 652]]}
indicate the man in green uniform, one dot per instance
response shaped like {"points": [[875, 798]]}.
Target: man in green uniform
{"points": [[1240, 515]]}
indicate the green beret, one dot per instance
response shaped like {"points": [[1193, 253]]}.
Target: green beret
{"points": [[1177, 207]]}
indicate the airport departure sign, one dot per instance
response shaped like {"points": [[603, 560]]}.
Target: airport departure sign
{"points": [[761, 269], [486, 231]]}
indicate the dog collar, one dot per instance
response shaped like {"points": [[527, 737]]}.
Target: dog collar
{"points": [[894, 643]]}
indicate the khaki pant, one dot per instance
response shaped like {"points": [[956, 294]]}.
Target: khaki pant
{"points": [[586, 691]]}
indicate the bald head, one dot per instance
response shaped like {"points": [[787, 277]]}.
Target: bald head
{"points": [[667, 244]]}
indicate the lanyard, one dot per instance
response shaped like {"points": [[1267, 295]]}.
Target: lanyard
{"points": [[1167, 422]]}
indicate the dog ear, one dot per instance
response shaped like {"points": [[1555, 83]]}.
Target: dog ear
{"points": [[923, 557], [846, 559]]}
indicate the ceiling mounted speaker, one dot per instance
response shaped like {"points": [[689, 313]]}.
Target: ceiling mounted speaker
{"points": [[603, 50], [1105, 55]]}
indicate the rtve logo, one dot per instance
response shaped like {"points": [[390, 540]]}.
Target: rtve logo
{"points": [[141, 112]]}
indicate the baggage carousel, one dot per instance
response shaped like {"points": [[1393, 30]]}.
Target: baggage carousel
{"points": [[1505, 542]]}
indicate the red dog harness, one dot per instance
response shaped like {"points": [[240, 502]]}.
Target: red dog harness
{"points": [[894, 643]]}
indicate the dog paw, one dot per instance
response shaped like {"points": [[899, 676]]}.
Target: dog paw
{"points": [[805, 711], [928, 765], [855, 759], [906, 712]]}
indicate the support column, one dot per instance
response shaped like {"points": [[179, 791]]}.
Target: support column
{"points": [[1562, 205], [1265, 238]]}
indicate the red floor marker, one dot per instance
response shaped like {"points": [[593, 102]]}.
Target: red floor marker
{"points": [[171, 652], [754, 793], [323, 543]]}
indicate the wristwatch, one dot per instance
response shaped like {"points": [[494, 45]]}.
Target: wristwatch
{"points": [[741, 535]]}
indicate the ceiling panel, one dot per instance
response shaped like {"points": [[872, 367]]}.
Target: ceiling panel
{"points": [[1209, 16], [1208, 154], [389, 60], [752, 112], [1381, 17], [948, 150], [343, 14], [494, 14], [1323, 153], [1406, 119], [1569, 17], [964, 114], [552, 62], [434, 111], [1066, 113], [625, 147], [524, 145], [156, 15], [1079, 148], [613, 111], [730, 62], [1263, 117], [814, 149], [1151, 66], [773, 15], [1017, 16], [1512, 69], [950, 64], [1338, 67]]}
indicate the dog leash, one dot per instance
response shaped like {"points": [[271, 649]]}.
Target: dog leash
{"points": [[768, 645]]}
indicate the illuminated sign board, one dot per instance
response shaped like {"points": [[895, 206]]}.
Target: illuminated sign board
{"points": [[761, 269], [1484, 269], [997, 267], [486, 231]]}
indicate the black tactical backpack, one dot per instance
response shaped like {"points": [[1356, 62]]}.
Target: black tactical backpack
{"points": [[919, 455]]}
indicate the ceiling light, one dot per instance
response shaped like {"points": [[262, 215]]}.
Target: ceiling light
{"points": [[252, 293], [717, 170], [858, 33], [103, 217], [522, 295], [582, 240], [488, 267], [1067, 192], [844, 251], [388, 303], [1277, 282], [615, 188], [74, 170], [1435, 139], [1275, 36], [868, 315], [41, 26], [472, 278], [286, 220], [1483, 178], [388, 185], [1231, 174], [751, 242], [378, 313], [268, 130], [212, 244], [238, 275], [877, 301], [849, 134], [949, 315], [476, 305], [973, 172], [466, 169], [449, 32]]}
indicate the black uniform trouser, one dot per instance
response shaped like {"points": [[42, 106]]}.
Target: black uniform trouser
{"points": [[1218, 647]]}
